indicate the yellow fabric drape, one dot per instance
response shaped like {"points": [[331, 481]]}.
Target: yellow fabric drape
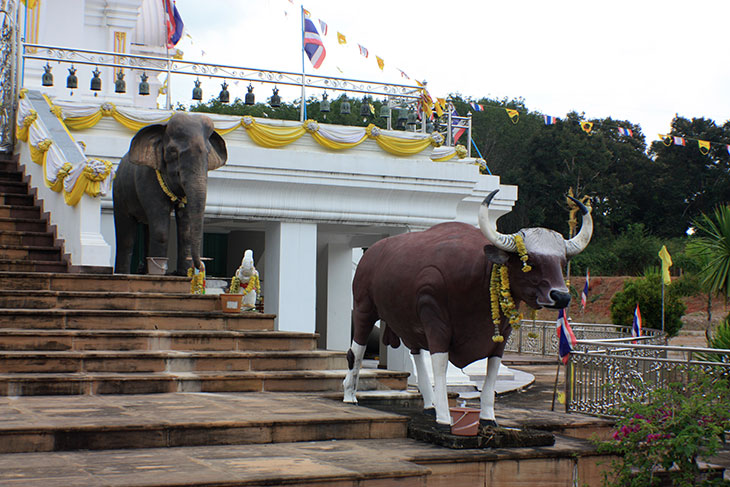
{"points": [[226, 131], [397, 146], [22, 133], [133, 125], [271, 137], [38, 153], [331, 144], [83, 123], [89, 182]]}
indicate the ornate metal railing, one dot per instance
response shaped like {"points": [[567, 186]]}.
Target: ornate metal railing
{"points": [[539, 337], [604, 374], [194, 68], [8, 71]]}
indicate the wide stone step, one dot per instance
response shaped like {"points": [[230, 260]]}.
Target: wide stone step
{"points": [[17, 200], [8, 174], [27, 238], [167, 361], [122, 283], [13, 187], [62, 423], [154, 340], [19, 214], [29, 384], [344, 463], [8, 165], [29, 266], [85, 300], [74, 319], [27, 252]]}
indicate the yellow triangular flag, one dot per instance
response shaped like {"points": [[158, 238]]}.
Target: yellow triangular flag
{"points": [[514, 115], [704, 146], [341, 38], [440, 105], [587, 127], [666, 264], [381, 63]]}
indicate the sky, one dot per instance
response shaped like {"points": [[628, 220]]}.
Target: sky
{"points": [[641, 60]]}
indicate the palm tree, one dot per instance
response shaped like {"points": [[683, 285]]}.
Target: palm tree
{"points": [[712, 245]]}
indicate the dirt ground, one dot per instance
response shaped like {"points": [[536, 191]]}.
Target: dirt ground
{"points": [[598, 309]]}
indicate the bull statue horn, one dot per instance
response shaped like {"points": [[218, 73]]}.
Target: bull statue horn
{"points": [[499, 240], [577, 244]]}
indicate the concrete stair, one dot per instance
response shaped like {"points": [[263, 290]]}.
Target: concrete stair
{"points": [[27, 244], [113, 334]]}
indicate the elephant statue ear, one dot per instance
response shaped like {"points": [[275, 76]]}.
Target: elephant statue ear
{"points": [[219, 154], [146, 146]]}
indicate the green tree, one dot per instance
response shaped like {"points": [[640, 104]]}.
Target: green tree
{"points": [[687, 183], [647, 293]]}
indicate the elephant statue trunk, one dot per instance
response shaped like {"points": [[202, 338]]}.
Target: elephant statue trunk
{"points": [[166, 170]]}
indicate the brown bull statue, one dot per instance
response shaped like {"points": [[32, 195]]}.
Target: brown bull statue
{"points": [[432, 289]]}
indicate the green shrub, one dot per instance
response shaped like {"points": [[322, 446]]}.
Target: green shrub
{"points": [[672, 429], [647, 292]]}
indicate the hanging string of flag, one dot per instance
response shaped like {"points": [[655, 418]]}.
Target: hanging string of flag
{"points": [[703, 145]]}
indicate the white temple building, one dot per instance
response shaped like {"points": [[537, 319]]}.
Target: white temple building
{"points": [[305, 210]]}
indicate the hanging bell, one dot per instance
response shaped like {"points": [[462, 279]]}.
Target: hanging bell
{"points": [[365, 107], [120, 86], [400, 124], [275, 100], [345, 107], [47, 78], [197, 91], [385, 111], [144, 86], [224, 96], [411, 121], [72, 81], [96, 80], [250, 98], [324, 105]]}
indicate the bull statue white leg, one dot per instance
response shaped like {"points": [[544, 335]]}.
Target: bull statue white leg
{"points": [[486, 416], [440, 362], [424, 382], [354, 362]]}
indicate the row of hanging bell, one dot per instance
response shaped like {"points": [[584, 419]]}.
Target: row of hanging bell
{"points": [[72, 81]]}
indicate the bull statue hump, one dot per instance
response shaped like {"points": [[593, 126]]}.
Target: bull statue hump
{"points": [[432, 289]]}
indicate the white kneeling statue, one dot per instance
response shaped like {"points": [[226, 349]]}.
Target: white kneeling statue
{"points": [[248, 277]]}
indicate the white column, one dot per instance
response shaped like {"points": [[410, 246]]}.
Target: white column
{"points": [[95, 251], [289, 276], [339, 296]]}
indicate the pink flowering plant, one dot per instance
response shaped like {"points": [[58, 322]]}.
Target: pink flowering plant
{"points": [[668, 433]]}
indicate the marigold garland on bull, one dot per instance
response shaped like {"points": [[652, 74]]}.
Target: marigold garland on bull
{"points": [[435, 291]]}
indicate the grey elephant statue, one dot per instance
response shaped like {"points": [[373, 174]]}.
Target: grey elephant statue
{"points": [[166, 169]]}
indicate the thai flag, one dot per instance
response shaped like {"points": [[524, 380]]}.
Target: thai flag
{"points": [[313, 43], [626, 132], [458, 127], [173, 23], [636, 327], [549, 120], [566, 338], [476, 107], [323, 27], [678, 140], [363, 50], [584, 294]]}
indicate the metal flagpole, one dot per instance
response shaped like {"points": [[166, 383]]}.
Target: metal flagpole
{"points": [[662, 304], [168, 100], [303, 106]]}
